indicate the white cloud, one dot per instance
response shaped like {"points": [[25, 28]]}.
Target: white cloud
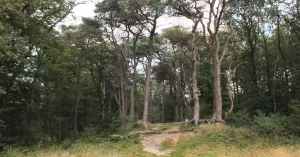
{"points": [[80, 11]]}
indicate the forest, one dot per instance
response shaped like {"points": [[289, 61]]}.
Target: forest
{"points": [[234, 63]]}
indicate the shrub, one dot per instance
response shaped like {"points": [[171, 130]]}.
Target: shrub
{"points": [[293, 120], [269, 125], [239, 118]]}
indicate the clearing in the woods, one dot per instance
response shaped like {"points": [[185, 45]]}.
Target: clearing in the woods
{"points": [[170, 139]]}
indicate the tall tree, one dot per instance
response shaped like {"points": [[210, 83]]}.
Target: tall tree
{"points": [[192, 10], [216, 17]]}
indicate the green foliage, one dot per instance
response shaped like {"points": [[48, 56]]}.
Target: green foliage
{"points": [[239, 118], [46, 73], [269, 125], [13, 152], [293, 124]]}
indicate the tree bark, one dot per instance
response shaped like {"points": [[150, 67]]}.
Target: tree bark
{"points": [[215, 16], [76, 107], [194, 79], [132, 100], [254, 75], [217, 88], [148, 74], [132, 92], [163, 102], [147, 89], [182, 86], [123, 101]]}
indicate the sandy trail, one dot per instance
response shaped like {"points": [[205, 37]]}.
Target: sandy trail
{"points": [[152, 143]]}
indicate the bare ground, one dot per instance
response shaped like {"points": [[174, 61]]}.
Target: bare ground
{"points": [[152, 143]]}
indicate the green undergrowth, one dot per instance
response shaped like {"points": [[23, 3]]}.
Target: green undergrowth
{"points": [[87, 147], [214, 141], [208, 141]]}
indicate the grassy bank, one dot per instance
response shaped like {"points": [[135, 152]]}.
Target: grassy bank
{"points": [[209, 141]]}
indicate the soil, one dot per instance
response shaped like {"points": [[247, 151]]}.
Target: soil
{"points": [[152, 143]]}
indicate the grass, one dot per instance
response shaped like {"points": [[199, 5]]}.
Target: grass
{"points": [[225, 141], [167, 144], [84, 148], [209, 141]]}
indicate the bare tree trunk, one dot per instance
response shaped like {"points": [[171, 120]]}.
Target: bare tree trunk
{"points": [[76, 107], [182, 91], [273, 88], [103, 89], [109, 106], [132, 92], [120, 103], [176, 97], [103, 111], [150, 94], [148, 74], [195, 81], [230, 83], [217, 88], [123, 101], [132, 100], [253, 70], [163, 102], [147, 89], [137, 108]]}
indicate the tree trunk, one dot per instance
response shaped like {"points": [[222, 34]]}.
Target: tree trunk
{"points": [[148, 74], [123, 101], [76, 107], [254, 75], [163, 102], [109, 106], [147, 89], [217, 88], [132, 101], [176, 95], [182, 91], [195, 82]]}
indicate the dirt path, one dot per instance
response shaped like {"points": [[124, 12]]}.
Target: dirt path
{"points": [[152, 143]]}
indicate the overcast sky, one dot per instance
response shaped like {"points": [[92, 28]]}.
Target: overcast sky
{"points": [[87, 10], [83, 10]]}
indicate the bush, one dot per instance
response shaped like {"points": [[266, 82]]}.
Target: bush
{"points": [[273, 124], [240, 118], [293, 123]]}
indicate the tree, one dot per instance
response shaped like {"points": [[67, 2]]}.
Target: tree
{"points": [[148, 12], [193, 11], [217, 12]]}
